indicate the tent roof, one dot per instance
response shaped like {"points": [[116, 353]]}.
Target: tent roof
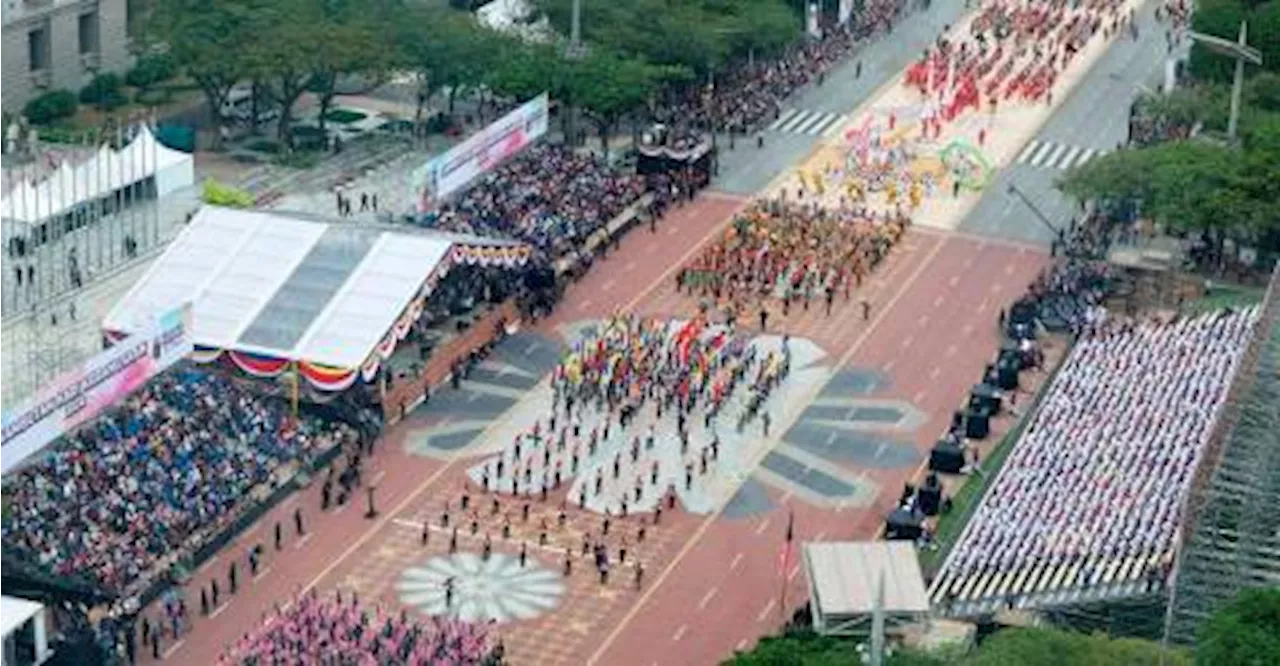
{"points": [[845, 576], [14, 612], [285, 285], [105, 172]]}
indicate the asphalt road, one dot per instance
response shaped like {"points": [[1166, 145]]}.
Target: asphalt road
{"points": [[1092, 119], [746, 170]]}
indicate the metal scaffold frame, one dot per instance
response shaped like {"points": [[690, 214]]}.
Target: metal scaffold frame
{"points": [[1230, 537]]}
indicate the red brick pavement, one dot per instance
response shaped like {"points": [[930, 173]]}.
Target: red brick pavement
{"points": [[712, 584]]}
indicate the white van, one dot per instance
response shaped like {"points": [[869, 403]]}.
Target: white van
{"points": [[239, 105]]}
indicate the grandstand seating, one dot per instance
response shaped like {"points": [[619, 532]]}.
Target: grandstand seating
{"points": [[1088, 504], [153, 478]]}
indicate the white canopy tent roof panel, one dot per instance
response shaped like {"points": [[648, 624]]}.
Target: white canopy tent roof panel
{"points": [[247, 272], [372, 298], [227, 263], [846, 576], [15, 611], [99, 176]]}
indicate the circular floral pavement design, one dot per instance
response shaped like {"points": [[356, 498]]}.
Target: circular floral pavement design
{"points": [[498, 589]]}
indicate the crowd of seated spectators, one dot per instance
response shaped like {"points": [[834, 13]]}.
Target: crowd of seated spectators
{"points": [[749, 94], [333, 631], [549, 196], [1096, 484], [153, 478]]}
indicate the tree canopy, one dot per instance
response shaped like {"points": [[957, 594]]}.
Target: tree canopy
{"points": [[1200, 185], [1008, 647], [696, 34], [288, 48], [1221, 18], [1244, 633]]}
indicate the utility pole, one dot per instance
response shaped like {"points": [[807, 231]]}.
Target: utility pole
{"points": [[574, 52], [1242, 53], [1014, 191]]}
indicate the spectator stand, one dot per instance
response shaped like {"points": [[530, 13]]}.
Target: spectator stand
{"points": [[321, 308], [1039, 540]]}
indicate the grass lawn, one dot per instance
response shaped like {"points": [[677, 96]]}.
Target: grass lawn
{"points": [[966, 500], [344, 116], [1225, 296]]}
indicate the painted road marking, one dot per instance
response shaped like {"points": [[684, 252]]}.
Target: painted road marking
{"points": [[458, 454], [218, 611], [706, 598], [764, 525], [262, 573], [172, 648], [692, 541], [679, 633], [768, 608], [302, 542], [737, 559]]}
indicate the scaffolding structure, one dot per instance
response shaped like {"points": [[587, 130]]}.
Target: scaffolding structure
{"points": [[1230, 537]]}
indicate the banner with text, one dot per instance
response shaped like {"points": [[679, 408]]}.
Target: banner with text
{"points": [[81, 394], [445, 174]]}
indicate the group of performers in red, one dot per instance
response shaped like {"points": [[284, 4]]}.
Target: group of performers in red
{"points": [[1016, 52]]}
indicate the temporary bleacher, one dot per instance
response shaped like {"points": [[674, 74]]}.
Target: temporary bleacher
{"points": [[1038, 511]]}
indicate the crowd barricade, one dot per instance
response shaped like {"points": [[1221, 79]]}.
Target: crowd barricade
{"points": [[621, 223]]}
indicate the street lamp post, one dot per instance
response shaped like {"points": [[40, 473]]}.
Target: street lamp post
{"points": [[1242, 53], [1014, 191]]}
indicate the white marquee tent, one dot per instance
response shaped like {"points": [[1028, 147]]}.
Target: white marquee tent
{"points": [[845, 578], [106, 172], [288, 287]]}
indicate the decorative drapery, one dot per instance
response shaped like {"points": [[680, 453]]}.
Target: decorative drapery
{"points": [[327, 377]]}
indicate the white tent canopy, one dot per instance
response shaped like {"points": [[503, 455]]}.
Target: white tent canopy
{"points": [[100, 176], [287, 287], [14, 612], [845, 579]]}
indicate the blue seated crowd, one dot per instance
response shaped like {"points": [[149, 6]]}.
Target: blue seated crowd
{"points": [[153, 478]]}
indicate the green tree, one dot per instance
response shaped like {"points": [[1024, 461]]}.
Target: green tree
{"points": [[1221, 18], [697, 34], [523, 71], [448, 51], [607, 86], [1245, 633], [208, 40], [352, 33], [290, 43]]}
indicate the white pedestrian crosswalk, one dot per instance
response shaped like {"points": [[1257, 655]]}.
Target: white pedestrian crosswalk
{"points": [[806, 121], [1054, 155]]}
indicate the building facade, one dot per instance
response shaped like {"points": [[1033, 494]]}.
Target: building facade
{"points": [[60, 44]]}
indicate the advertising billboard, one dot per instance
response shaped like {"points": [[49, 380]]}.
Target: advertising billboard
{"points": [[83, 393], [447, 173]]}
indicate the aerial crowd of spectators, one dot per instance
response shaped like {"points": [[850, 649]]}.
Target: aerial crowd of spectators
{"points": [[749, 94], [549, 196], [1093, 491], [333, 631], [153, 478]]}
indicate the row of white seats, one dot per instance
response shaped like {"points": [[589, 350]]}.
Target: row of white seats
{"points": [[1091, 495]]}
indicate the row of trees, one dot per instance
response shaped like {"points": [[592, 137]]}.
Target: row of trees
{"points": [[1206, 186], [1244, 633], [287, 48]]}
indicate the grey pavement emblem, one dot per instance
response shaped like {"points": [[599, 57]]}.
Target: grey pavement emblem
{"points": [[839, 433], [498, 589], [458, 416]]}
